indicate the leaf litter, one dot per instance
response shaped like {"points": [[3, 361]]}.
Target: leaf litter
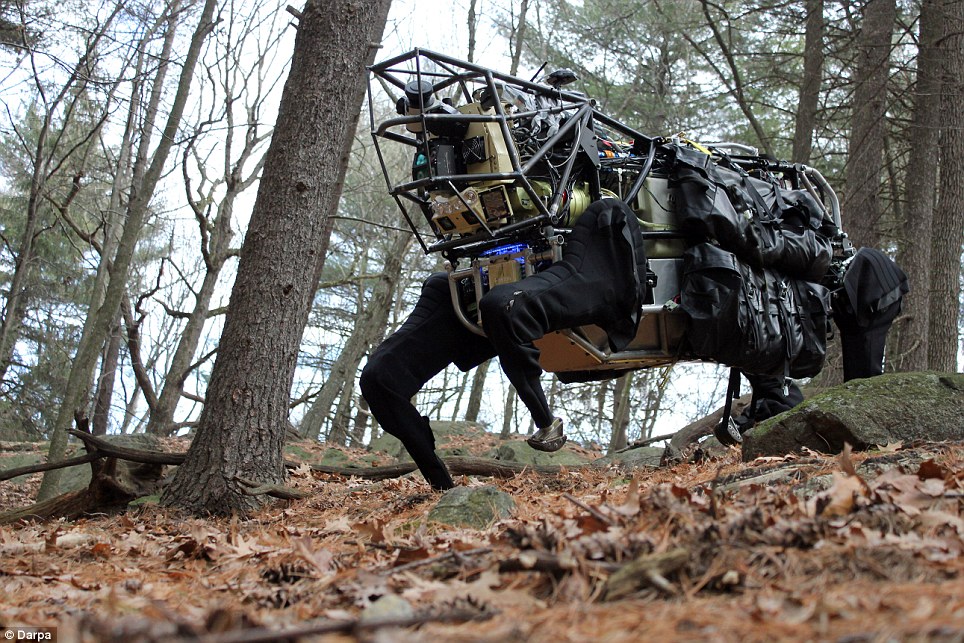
{"points": [[861, 546]]}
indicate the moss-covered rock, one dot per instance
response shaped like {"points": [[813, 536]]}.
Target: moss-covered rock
{"points": [[295, 451], [444, 432], [641, 457], [474, 507], [519, 451], [333, 458], [17, 460], [864, 413]]}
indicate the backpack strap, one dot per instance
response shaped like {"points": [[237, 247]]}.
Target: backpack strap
{"points": [[727, 432]]}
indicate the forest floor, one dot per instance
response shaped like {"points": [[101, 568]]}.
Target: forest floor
{"points": [[855, 547]]}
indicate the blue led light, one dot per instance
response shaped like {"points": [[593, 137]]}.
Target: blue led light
{"points": [[505, 250]]}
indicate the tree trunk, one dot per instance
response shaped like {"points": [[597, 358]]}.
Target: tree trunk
{"points": [[242, 427], [914, 253], [507, 413], [948, 236], [457, 406], [339, 422], [105, 383], [359, 424], [806, 119], [473, 23], [162, 415], [475, 395], [517, 37], [622, 394], [861, 205]]}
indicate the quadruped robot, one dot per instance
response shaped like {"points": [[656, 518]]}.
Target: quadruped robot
{"points": [[498, 168]]}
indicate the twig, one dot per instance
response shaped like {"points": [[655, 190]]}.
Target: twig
{"points": [[592, 510], [645, 570], [436, 559]]}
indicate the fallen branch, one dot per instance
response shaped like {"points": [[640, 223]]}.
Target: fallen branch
{"points": [[645, 443], [595, 513], [541, 561], [98, 448], [457, 465], [9, 474], [109, 450], [650, 569], [678, 446], [437, 559]]}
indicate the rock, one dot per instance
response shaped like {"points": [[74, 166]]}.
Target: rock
{"points": [[334, 458], [897, 407], [17, 460], [74, 478], [640, 457], [444, 432], [298, 452], [475, 507], [519, 451], [387, 608], [389, 444]]}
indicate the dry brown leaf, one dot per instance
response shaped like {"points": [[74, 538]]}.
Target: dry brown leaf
{"points": [[846, 464], [373, 530], [321, 559], [891, 447], [841, 498], [930, 469], [410, 555]]}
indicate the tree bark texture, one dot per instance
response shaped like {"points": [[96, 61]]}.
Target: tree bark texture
{"points": [[475, 394], [105, 383], [914, 254], [622, 395], [948, 236], [242, 426], [861, 204], [806, 118]]}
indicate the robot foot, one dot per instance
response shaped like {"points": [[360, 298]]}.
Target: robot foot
{"points": [[548, 439]]}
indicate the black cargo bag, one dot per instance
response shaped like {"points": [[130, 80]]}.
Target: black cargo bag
{"points": [[754, 320], [763, 224]]}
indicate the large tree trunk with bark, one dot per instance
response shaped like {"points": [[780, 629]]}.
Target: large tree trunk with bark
{"points": [[242, 427], [914, 255], [944, 304], [806, 117], [861, 205]]}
